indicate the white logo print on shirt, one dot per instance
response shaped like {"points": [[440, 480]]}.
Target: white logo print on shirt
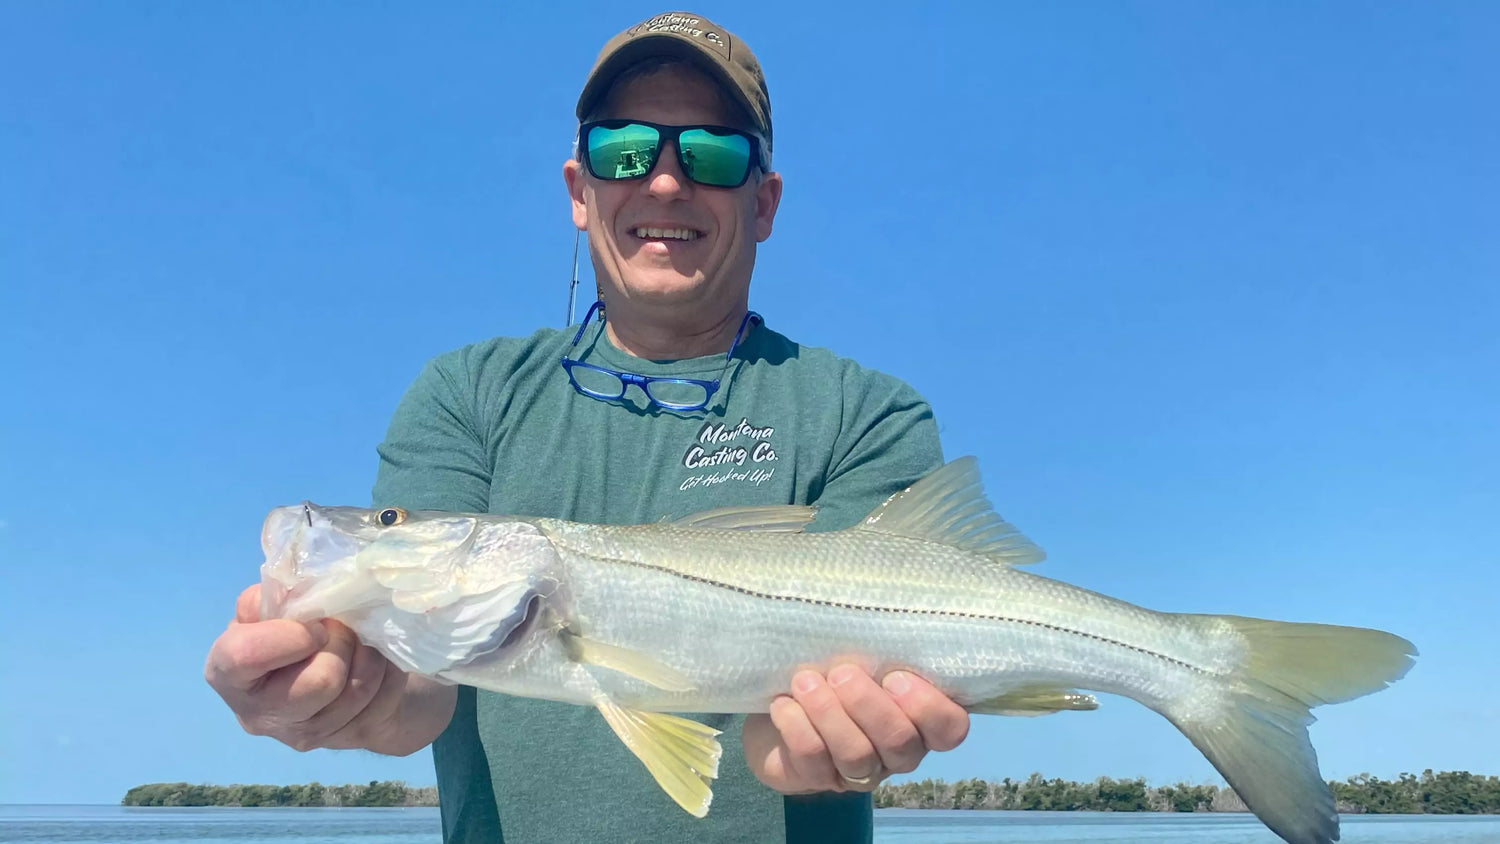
{"points": [[730, 448]]}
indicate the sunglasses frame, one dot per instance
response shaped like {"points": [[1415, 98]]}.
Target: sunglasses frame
{"points": [[759, 156]]}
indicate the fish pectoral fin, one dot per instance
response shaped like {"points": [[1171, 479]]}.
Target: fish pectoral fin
{"points": [[775, 518], [681, 754], [1035, 700], [642, 667], [949, 506]]}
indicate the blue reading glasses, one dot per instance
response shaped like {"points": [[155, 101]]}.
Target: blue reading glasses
{"points": [[684, 394]]}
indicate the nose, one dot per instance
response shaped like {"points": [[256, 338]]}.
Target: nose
{"points": [[666, 180]]}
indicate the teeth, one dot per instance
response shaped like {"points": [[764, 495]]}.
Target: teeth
{"points": [[668, 234]]}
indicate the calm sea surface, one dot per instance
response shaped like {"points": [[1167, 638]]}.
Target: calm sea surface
{"points": [[95, 824]]}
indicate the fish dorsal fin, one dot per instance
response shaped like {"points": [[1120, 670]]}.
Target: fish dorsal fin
{"points": [[949, 506], [774, 518]]}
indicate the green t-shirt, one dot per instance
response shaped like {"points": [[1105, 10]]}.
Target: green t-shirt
{"points": [[496, 427]]}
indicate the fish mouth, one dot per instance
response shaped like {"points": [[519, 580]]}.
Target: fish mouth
{"points": [[273, 598], [282, 526], [279, 540], [298, 543]]}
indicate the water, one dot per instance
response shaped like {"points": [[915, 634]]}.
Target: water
{"points": [[100, 824], [111, 824]]}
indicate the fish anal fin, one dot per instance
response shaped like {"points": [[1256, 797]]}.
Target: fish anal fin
{"points": [[641, 666], [1035, 700], [681, 754], [775, 518], [949, 506]]}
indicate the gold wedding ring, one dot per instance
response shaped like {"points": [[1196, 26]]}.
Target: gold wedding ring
{"points": [[857, 780]]}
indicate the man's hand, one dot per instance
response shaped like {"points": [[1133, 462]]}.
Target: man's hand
{"points": [[315, 685], [847, 732]]}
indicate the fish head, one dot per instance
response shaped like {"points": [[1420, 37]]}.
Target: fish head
{"points": [[323, 561], [431, 590]]}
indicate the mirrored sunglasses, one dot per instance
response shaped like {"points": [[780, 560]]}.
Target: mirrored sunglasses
{"points": [[716, 156]]}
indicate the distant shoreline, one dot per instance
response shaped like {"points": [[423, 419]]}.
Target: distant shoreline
{"points": [[1443, 793], [375, 794]]}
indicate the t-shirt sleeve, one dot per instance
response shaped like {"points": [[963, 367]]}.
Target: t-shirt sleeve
{"points": [[434, 455], [889, 441]]}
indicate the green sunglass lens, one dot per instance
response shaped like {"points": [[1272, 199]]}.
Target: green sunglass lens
{"points": [[718, 160], [628, 152]]}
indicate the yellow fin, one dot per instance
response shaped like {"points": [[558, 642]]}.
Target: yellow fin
{"points": [[949, 506], [1258, 738], [681, 754], [773, 518], [1035, 700], [634, 663]]}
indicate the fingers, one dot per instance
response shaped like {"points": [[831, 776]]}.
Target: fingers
{"points": [[366, 699], [847, 732], [301, 691], [247, 607], [850, 751], [245, 654], [942, 723], [805, 757], [896, 740], [767, 754], [307, 685]]}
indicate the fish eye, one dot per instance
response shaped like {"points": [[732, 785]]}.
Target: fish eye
{"points": [[391, 516]]}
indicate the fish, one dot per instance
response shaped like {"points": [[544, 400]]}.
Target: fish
{"points": [[715, 612]]}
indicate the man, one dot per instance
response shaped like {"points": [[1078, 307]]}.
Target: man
{"points": [[677, 400]]}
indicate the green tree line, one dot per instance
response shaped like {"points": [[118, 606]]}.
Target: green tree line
{"points": [[384, 793], [1446, 793]]}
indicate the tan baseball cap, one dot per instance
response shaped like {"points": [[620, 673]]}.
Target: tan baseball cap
{"points": [[693, 38]]}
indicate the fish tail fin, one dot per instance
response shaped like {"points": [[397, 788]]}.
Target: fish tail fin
{"points": [[1257, 736]]}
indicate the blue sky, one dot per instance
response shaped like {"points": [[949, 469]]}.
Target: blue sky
{"points": [[1210, 290]]}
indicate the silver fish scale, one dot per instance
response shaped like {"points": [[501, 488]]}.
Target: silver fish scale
{"points": [[738, 612]]}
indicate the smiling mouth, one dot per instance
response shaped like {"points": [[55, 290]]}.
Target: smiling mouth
{"points": [[651, 233]]}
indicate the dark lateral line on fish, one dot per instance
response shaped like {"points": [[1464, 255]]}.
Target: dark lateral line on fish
{"points": [[903, 610]]}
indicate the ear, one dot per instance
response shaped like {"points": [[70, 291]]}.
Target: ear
{"points": [[573, 178], [767, 200]]}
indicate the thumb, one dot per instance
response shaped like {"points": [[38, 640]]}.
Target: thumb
{"points": [[247, 606]]}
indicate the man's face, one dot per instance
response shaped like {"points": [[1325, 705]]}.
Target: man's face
{"points": [[711, 265]]}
